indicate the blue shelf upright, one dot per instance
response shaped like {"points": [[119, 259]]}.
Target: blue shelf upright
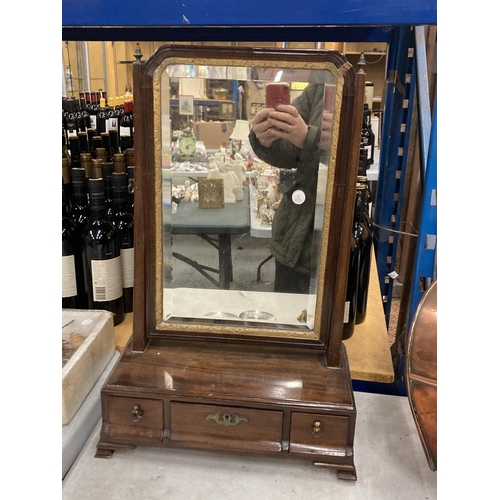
{"points": [[400, 91]]}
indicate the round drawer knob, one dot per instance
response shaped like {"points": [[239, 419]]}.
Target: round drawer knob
{"points": [[136, 413], [316, 426]]}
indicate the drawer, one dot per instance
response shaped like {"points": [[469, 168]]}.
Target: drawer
{"points": [[319, 434], [224, 427], [135, 417]]}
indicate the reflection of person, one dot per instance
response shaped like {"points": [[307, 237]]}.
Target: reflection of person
{"points": [[290, 137]]}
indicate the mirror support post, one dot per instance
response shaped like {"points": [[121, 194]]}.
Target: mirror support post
{"points": [[334, 346], [139, 339]]}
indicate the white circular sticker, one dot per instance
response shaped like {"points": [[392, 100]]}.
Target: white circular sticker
{"points": [[87, 322], [298, 197]]}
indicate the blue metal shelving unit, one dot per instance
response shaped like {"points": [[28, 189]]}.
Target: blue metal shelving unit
{"points": [[395, 22]]}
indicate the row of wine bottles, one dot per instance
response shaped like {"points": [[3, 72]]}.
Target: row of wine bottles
{"points": [[98, 236], [359, 261], [98, 117]]}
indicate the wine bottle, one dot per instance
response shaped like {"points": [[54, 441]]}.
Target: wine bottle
{"points": [[74, 149], [91, 133], [106, 142], [114, 140], [65, 151], [112, 115], [96, 144], [86, 164], [367, 135], [107, 170], [83, 142], [363, 236], [66, 178], [129, 157], [351, 291], [123, 220], [74, 294], [127, 127], [102, 259], [130, 187], [96, 169], [119, 163], [71, 117], [102, 117], [80, 213], [86, 123], [93, 109]]}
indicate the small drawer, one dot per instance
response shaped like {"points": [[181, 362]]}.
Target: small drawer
{"points": [[135, 417], [319, 434], [225, 427]]}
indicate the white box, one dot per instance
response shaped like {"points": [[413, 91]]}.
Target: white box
{"points": [[89, 342]]}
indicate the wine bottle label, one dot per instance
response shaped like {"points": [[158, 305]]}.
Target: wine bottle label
{"points": [[112, 123], [68, 276], [107, 282], [347, 307], [124, 131], [93, 121], [127, 267]]}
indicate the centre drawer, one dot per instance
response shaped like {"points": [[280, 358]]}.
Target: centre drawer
{"points": [[225, 427]]}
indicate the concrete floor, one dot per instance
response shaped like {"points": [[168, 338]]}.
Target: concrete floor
{"points": [[389, 458]]}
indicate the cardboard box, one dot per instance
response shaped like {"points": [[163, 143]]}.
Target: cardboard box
{"points": [[213, 134]]}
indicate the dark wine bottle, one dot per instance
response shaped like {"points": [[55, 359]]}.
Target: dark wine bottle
{"points": [[66, 178], [115, 141], [103, 267], [130, 187], [93, 110], [119, 163], [351, 291], [86, 123], [363, 235], [106, 142], [86, 164], [65, 151], [91, 133], [74, 149], [127, 127], [112, 115], [367, 135], [107, 170], [123, 220], [83, 142], [96, 169], [96, 144], [129, 157], [80, 213], [102, 117], [74, 294]]}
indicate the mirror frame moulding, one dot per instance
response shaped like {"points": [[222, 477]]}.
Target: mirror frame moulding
{"points": [[148, 307]]}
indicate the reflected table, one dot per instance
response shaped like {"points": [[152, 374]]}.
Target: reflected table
{"points": [[234, 218]]}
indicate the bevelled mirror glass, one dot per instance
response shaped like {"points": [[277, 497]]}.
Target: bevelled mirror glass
{"points": [[228, 203]]}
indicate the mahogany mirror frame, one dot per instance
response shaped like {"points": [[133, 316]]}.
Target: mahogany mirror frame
{"points": [[340, 215]]}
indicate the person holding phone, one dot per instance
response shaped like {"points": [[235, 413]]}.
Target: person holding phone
{"points": [[289, 137]]}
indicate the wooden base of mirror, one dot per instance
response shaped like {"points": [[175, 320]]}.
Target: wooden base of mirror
{"points": [[281, 402]]}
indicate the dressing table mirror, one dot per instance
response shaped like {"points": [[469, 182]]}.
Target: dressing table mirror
{"points": [[214, 363]]}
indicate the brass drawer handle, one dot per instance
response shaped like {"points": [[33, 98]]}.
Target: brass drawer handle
{"points": [[136, 413], [316, 428], [227, 420]]}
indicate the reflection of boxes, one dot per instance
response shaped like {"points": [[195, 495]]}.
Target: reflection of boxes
{"points": [[213, 134]]}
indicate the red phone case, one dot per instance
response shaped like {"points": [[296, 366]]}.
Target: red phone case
{"points": [[277, 93]]}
